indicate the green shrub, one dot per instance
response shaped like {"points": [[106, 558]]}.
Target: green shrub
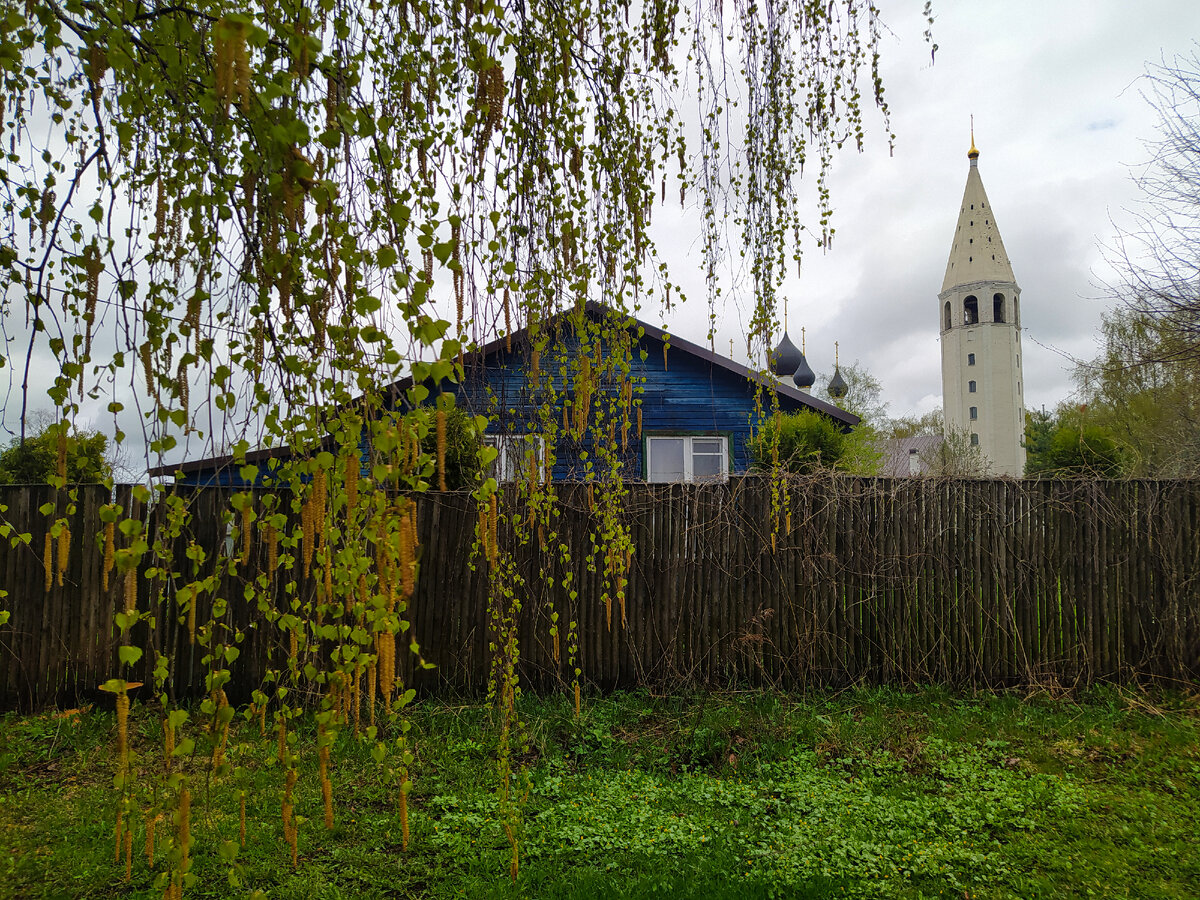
{"points": [[1088, 451], [463, 444], [807, 441], [35, 460]]}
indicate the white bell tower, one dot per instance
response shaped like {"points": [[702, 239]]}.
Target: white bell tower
{"points": [[980, 314]]}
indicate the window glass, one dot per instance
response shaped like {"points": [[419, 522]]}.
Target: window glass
{"points": [[971, 387], [666, 459], [686, 458], [974, 440], [707, 465], [974, 412], [970, 359]]}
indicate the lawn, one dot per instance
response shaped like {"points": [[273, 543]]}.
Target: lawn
{"points": [[865, 793]]}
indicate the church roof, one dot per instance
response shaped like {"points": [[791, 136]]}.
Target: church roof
{"points": [[784, 358], [977, 253]]}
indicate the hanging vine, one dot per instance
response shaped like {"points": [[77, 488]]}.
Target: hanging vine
{"points": [[231, 227]]}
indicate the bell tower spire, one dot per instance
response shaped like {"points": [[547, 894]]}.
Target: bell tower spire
{"points": [[980, 318]]}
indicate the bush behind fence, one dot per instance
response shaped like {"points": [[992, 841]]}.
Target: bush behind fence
{"points": [[899, 581]]}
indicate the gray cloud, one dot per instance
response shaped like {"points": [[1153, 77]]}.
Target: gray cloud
{"points": [[1058, 118]]}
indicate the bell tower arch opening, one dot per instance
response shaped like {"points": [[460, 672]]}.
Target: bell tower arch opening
{"points": [[970, 310]]}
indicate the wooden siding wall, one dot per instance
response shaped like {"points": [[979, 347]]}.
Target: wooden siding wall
{"points": [[680, 394], [899, 581]]}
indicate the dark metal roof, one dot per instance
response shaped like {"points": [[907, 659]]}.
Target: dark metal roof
{"points": [[804, 376], [219, 463], [785, 358], [837, 385]]}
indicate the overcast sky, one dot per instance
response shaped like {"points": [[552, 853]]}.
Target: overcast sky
{"points": [[1059, 118]]}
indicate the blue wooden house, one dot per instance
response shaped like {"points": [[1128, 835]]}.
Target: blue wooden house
{"points": [[674, 410]]}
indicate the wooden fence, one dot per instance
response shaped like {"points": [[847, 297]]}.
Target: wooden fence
{"points": [[898, 581]]}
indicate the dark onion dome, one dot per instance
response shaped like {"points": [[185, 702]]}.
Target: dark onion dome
{"points": [[785, 358], [837, 384], [804, 375]]}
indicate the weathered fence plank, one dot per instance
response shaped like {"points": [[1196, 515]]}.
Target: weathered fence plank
{"points": [[896, 580]]}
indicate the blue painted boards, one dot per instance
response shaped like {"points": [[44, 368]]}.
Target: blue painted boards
{"points": [[692, 391]]}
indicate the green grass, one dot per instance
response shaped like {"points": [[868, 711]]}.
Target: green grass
{"points": [[869, 793]]}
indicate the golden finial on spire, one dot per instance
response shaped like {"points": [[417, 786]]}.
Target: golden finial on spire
{"points": [[835, 354], [803, 347], [972, 153]]}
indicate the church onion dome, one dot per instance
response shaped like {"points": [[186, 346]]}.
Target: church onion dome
{"points": [[804, 375], [972, 153], [785, 358], [837, 385]]}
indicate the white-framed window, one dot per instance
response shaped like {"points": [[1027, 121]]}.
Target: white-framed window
{"points": [[515, 453], [687, 457]]}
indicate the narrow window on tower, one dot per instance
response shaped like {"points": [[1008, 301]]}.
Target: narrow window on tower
{"points": [[970, 387], [974, 440], [974, 413], [998, 308], [948, 315], [970, 359], [970, 310]]}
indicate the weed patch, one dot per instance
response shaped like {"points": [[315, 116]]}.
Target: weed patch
{"points": [[862, 794]]}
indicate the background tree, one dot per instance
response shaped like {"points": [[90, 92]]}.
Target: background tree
{"points": [[862, 452], [1160, 256], [1072, 443], [90, 456], [955, 457], [1040, 426], [864, 394], [931, 423], [34, 460], [1143, 390]]}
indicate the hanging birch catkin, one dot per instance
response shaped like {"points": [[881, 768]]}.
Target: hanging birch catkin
{"points": [[64, 552], [48, 561], [110, 529]]}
